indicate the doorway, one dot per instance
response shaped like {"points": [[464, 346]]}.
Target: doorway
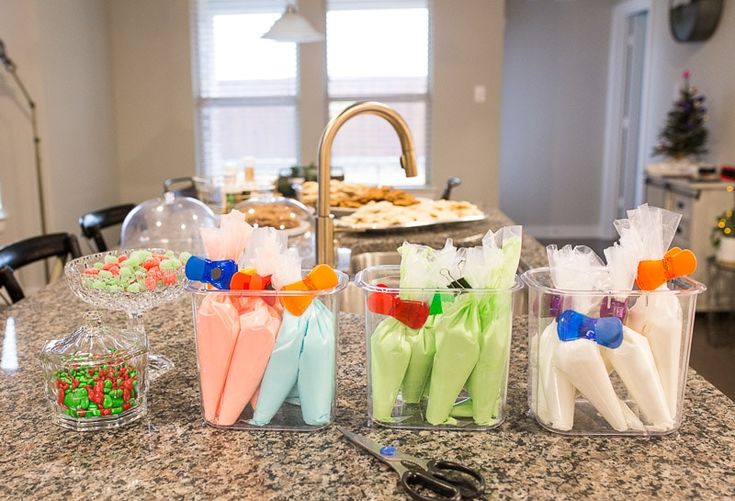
{"points": [[625, 147]]}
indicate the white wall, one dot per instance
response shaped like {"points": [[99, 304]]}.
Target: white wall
{"points": [[62, 54], [553, 114], [713, 73], [153, 99], [465, 135]]}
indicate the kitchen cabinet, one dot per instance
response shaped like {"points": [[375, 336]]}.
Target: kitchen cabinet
{"points": [[699, 203]]}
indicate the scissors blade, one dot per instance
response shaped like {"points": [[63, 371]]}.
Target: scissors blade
{"points": [[371, 446], [376, 449]]}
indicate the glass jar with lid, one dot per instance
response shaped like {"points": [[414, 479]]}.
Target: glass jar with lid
{"points": [[96, 377]]}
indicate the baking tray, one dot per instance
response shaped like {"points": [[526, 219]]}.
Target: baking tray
{"points": [[344, 228]]}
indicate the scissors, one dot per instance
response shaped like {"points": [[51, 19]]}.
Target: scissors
{"points": [[447, 480]]}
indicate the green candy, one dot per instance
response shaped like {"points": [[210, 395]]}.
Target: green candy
{"points": [[92, 406], [132, 402], [184, 257], [117, 402], [94, 412], [105, 274], [134, 287], [116, 410], [110, 259], [71, 412], [170, 253], [107, 402], [169, 264], [126, 272], [98, 266]]}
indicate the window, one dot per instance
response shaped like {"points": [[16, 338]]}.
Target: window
{"points": [[247, 87], [378, 50]]}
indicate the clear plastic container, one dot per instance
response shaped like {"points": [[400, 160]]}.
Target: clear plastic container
{"points": [[260, 367], [96, 377], [624, 376], [448, 372]]}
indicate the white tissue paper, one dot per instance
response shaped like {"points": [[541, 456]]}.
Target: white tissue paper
{"points": [[264, 250], [228, 241]]}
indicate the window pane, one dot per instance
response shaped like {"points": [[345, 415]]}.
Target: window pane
{"points": [[377, 51], [368, 148], [240, 63], [230, 133]]}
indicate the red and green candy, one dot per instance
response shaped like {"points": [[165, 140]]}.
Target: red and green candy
{"points": [[86, 392]]}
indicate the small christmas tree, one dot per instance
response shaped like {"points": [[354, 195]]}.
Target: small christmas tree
{"points": [[684, 133]]}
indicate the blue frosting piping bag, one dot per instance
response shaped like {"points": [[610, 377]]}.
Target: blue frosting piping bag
{"points": [[317, 366]]}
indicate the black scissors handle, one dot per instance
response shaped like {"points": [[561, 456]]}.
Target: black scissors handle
{"points": [[448, 480], [469, 482], [411, 479]]}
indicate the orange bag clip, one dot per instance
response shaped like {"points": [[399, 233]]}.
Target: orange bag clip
{"points": [[322, 277], [676, 263]]}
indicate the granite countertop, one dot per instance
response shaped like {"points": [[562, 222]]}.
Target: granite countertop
{"points": [[463, 234], [170, 454]]}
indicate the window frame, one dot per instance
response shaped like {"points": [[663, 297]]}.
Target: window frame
{"points": [[202, 103], [397, 98]]}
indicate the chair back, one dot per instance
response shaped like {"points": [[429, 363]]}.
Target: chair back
{"points": [[181, 187], [31, 250], [92, 223]]}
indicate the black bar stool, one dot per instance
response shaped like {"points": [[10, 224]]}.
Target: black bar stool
{"points": [[92, 223], [31, 250]]}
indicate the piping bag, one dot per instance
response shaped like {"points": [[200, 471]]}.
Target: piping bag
{"points": [[578, 361], [296, 368], [282, 370], [317, 366], [217, 328], [457, 352], [430, 269], [258, 329], [492, 266], [633, 360], [658, 316], [259, 326], [390, 353], [401, 356]]}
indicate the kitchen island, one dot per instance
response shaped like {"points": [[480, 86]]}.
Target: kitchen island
{"points": [[171, 454]]}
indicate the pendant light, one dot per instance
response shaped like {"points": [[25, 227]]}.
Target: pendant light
{"points": [[293, 27]]}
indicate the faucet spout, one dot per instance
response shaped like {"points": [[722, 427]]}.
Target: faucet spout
{"points": [[324, 223]]}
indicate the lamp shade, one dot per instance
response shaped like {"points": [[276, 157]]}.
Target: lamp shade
{"points": [[293, 27]]}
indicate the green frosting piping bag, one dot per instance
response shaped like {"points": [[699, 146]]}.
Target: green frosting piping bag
{"points": [[390, 353]]}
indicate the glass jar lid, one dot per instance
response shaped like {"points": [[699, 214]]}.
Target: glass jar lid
{"points": [[170, 223], [265, 209], [93, 343]]}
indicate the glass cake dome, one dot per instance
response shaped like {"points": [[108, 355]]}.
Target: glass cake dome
{"points": [[170, 223]]}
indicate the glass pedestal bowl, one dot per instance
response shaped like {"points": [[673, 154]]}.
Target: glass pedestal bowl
{"points": [[134, 304]]}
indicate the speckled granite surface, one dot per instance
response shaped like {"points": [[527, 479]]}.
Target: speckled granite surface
{"points": [[465, 234], [171, 455]]}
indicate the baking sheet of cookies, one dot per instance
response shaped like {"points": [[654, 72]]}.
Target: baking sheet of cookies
{"points": [[385, 217]]}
